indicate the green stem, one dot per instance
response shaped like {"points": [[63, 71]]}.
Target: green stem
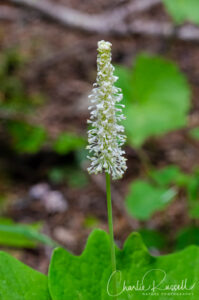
{"points": [[111, 234]]}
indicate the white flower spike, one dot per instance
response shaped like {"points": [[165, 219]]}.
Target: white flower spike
{"points": [[106, 136]]}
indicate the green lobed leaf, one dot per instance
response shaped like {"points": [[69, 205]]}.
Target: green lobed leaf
{"points": [[72, 277], [144, 199], [19, 282], [183, 10], [86, 276], [157, 98]]}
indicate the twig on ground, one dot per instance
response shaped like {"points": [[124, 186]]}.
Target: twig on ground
{"points": [[108, 22], [165, 29], [111, 23]]}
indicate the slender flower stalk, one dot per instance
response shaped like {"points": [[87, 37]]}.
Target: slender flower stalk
{"points": [[106, 136], [111, 233]]}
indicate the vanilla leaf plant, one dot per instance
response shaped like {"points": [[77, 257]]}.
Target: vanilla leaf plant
{"points": [[103, 271], [106, 135]]}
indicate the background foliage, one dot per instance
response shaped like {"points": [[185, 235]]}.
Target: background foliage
{"points": [[47, 197]]}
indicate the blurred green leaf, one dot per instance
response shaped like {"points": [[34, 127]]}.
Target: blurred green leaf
{"points": [[182, 180], [157, 99], [144, 199], [125, 82], [10, 61], [153, 238], [190, 184], [68, 142], [186, 237], [194, 210], [194, 133], [13, 96], [57, 175], [166, 176], [77, 178], [74, 176], [193, 188], [27, 138], [6, 221], [81, 158], [19, 235], [91, 222], [183, 10]]}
